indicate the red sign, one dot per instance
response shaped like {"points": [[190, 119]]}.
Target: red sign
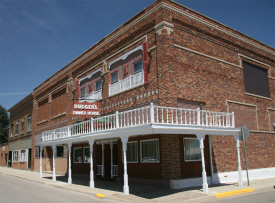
{"points": [[85, 109]]}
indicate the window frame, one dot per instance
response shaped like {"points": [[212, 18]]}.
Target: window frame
{"points": [[184, 150], [38, 152], [11, 132], [13, 153], [127, 151], [16, 128], [76, 148], [86, 162], [140, 61], [117, 77], [22, 125], [29, 123], [96, 86], [62, 152], [141, 141], [84, 90], [251, 75]]}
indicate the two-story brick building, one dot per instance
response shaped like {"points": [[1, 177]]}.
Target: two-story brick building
{"points": [[159, 92], [20, 134]]}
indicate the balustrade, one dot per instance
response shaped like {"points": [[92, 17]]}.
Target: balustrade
{"points": [[144, 115]]}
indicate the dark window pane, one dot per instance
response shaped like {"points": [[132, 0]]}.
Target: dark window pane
{"points": [[138, 67], [255, 80], [114, 77]]}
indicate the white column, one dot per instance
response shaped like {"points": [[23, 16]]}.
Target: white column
{"points": [[40, 174], [54, 177], [239, 160], [111, 146], [92, 184], [211, 139], [102, 168], [70, 164], [204, 177], [124, 147]]}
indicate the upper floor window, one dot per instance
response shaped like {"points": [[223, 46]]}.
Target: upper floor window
{"points": [[138, 67], [91, 86], [16, 127], [82, 92], [114, 78], [129, 70], [22, 125], [43, 108], [98, 85], [29, 128], [255, 79], [59, 102], [11, 130]]}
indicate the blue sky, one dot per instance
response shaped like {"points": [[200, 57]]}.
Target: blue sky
{"points": [[38, 38]]}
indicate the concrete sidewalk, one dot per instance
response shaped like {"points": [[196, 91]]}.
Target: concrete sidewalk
{"points": [[138, 193]]}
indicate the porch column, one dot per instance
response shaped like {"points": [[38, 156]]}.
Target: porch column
{"points": [[239, 160], [40, 173], [211, 139], [124, 147], [111, 146], [92, 184], [70, 165], [54, 177], [102, 168], [204, 177]]}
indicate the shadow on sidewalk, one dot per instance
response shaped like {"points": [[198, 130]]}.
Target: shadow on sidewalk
{"points": [[143, 191]]}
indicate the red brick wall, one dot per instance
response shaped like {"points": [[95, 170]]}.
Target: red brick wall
{"points": [[208, 72]]}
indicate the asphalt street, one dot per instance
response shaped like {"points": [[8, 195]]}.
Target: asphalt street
{"points": [[13, 189]]}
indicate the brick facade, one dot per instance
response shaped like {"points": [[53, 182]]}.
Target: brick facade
{"points": [[20, 138], [192, 58]]}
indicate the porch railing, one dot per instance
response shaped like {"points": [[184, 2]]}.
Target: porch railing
{"points": [[127, 83], [114, 170], [95, 95], [145, 115], [99, 169]]}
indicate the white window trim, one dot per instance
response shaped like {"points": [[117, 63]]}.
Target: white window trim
{"points": [[20, 159], [141, 151], [189, 138], [17, 124], [22, 121], [13, 156], [126, 153], [29, 119], [82, 155]]}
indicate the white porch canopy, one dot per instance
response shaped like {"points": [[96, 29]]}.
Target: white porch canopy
{"points": [[144, 121]]}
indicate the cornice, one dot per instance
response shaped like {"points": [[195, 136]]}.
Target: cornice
{"points": [[161, 5]]}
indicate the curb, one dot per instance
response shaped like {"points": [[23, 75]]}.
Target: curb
{"points": [[235, 192]]}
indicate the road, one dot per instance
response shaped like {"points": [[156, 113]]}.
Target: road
{"points": [[13, 189]]}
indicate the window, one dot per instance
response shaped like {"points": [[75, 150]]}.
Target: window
{"points": [[82, 92], [98, 85], [138, 67], [255, 80], [1, 155], [150, 150], [14, 156], [59, 102], [132, 152], [29, 123], [22, 155], [78, 155], [43, 110], [114, 77], [22, 125], [11, 130], [59, 151], [87, 157], [16, 127], [191, 149], [37, 152]]}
